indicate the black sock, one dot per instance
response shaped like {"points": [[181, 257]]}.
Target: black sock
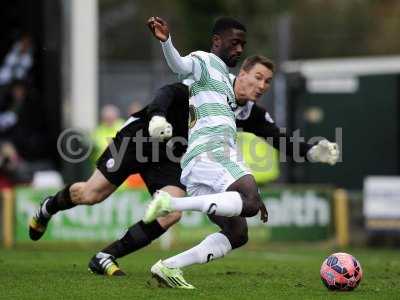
{"points": [[61, 201], [137, 237]]}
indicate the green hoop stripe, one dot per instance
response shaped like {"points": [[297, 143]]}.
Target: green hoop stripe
{"points": [[204, 76], [199, 149], [233, 168], [212, 86], [226, 131], [214, 109], [206, 83], [217, 65]]}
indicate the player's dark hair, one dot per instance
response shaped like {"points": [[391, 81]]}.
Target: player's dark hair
{"points": [[224, 23], [251, 61]]}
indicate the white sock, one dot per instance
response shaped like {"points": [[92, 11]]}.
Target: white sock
{"points": [[214, 246], [227, 204]]}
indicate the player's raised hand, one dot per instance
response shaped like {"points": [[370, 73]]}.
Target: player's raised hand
{"points": [[159, 28], [264, 212]]}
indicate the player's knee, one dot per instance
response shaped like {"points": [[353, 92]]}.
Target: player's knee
{"points": [[251, 205]]}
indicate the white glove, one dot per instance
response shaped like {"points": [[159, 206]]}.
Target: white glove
{"points": [[160, 128], [325, 152]]}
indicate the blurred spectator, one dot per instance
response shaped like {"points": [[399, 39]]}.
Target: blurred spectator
{"points": [[23, 136], [13, 169], [134, 107], [110, 123], [21, 122], [11, 104], [18, 61]]}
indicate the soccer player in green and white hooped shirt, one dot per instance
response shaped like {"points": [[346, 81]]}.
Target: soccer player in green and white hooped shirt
{"points": [[218, 183]]}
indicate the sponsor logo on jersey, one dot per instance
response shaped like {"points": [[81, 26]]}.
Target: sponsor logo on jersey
{"points": [[110, 163]]}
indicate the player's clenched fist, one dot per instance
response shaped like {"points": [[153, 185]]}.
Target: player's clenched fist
{"points": [[160, 128], [159, 28], [325, 152]]}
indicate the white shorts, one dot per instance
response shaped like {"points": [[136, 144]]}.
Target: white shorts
{"points": [[213, 172]]}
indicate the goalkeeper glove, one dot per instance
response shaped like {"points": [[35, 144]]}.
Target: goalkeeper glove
{"points": [[160, 128], [325, 152]]}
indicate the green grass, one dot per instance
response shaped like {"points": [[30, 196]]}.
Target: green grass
{"points": [[276, 272]]}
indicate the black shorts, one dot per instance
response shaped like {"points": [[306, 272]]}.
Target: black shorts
{"points": [[156, 174]]}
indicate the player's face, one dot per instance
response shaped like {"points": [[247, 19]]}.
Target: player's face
{"points": [[256, 82], [232, 46]]}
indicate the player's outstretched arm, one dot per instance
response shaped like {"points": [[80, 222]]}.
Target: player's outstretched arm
{"points": [[261, 124], [178, 64]]}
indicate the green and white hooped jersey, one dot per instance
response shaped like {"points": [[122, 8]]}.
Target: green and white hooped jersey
{"points": [[211, 104]]}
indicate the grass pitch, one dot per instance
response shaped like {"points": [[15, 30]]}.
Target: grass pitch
{"points": [[276, 272]]}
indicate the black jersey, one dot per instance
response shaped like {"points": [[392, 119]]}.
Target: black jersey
{"points": [[172, 102], [257, 120]]}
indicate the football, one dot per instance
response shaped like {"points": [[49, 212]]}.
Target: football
{"points": [[341, 271]]}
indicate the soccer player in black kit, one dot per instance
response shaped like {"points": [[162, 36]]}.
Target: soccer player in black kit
{"points": [[168, 113]]}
